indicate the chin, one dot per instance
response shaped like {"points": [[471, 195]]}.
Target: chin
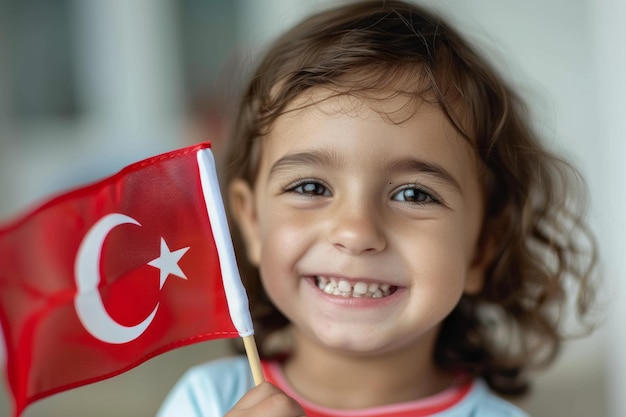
{"points": [[356, 344]]}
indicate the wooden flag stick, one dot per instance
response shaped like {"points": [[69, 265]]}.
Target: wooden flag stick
{"points": [[253, 359]]}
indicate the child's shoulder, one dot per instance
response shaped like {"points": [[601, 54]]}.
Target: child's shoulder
{"points": [[210, 389], [486, 404], [231, 372], [234, 364]]}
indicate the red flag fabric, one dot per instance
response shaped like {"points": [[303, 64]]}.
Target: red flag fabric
{"points": [[100, 279]]}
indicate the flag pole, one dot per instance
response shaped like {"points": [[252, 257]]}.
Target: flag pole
{"points": [[253, 358], [236, 297]]}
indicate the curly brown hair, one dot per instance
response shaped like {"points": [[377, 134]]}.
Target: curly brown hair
{"points": [[534, 199]]}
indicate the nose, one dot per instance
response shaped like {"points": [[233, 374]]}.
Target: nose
{"points": [[357, 229]]}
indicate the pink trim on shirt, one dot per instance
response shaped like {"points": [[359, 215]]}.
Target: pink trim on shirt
{"points": [[418, 408]]}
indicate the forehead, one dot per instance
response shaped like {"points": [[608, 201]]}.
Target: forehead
{"points": [[386, 123]]}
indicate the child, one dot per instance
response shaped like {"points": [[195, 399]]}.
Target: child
{"points": [[401, 222]]}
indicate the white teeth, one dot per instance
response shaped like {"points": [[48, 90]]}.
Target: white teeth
{"points": [[360, 288], [344, 288]]}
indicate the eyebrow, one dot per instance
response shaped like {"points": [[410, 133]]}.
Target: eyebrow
{"points": [[402, 165], [322, 157], [426, 167]]}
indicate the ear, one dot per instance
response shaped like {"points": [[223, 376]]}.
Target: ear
{"points": [[490, 245], [485, 253], [241, 198]]}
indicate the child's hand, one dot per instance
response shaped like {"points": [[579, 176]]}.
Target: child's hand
{"points": [[266, 400]]}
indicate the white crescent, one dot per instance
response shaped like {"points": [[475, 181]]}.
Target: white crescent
{"points": [[88, 302]]}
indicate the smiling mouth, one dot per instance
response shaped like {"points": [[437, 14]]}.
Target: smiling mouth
{"points": [[358, 289]]}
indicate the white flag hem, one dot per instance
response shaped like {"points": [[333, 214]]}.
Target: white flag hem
{"points": [[236, 296]]}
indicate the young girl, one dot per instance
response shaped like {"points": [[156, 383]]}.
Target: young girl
{"points": [[403, 226]]}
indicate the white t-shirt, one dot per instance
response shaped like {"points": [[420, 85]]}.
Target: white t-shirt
{"points": [[212, 389]]}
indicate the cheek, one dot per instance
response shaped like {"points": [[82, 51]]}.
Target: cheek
{"points": [[277, 235], [283, 243], [440, 256], [284, 233], [440, 272]]}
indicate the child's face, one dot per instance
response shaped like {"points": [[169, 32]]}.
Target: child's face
{"points": [[390, 212]]}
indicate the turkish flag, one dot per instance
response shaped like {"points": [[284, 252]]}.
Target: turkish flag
{"points": [[100, 279]]}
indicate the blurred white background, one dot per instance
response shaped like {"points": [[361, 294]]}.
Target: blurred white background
{"points": [[89, 86]]}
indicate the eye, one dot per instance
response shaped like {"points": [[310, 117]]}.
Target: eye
{"points": [[413, 194], [309, 187]]}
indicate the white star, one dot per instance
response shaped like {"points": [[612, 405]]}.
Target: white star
{"points": [[167, 262]]}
